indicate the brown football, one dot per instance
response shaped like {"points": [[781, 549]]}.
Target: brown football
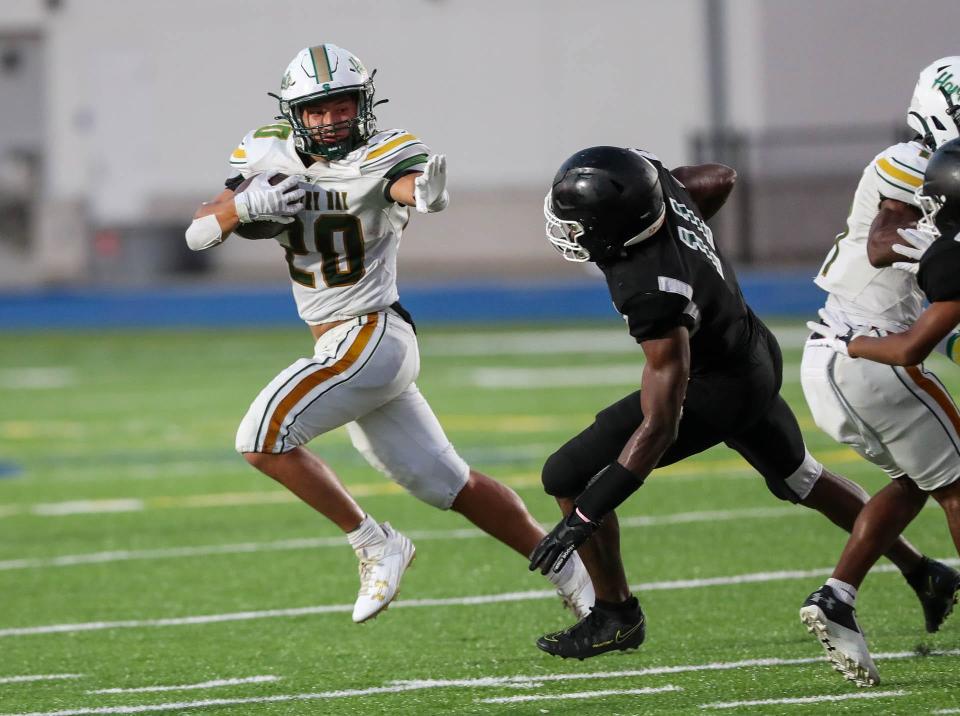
{"points": [[260, 229]]}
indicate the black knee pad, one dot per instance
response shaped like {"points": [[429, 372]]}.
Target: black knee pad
{"points": [[561, 478]]}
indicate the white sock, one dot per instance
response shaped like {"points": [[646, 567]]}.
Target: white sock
{"points": [[560, 578], [846, 592], [367, 534]]}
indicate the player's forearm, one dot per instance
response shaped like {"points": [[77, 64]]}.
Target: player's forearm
{"points": [[894, 349], [402, 190], [880, 243], [225, 211], [891, 216], [619, 480]]}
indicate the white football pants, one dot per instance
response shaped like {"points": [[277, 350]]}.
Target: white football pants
{"points": [[901, 419], [362, 373]]}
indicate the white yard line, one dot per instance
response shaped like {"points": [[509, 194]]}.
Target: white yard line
{"points": [[602, 340], [217, 683], [36, 378], [751, 578], [579, 695], [82, 507], [806, 699], [340, 542], [622, 374], [37, 677], [400, 686], [527, 681]]}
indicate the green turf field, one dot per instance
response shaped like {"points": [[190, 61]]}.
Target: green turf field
{"points": [[138, 551]]}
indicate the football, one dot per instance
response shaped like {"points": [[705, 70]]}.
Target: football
{"points": [[260, 229]]}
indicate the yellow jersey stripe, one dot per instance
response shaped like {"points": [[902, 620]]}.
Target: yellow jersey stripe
{"points": [[392, 144], [899, 174]]}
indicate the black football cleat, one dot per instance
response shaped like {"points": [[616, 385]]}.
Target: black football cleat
{"points": [[602, 630], [937, 587], [834, 623]]}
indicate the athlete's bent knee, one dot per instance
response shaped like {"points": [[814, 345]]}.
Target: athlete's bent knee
{"points": [[561, 478], [257, 459], [797, 485], [948, 497]]}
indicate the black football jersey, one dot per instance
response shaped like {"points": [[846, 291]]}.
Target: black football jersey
{"points": [[939, 272], [678, 278]]}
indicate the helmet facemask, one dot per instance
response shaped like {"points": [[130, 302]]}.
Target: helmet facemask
{"points": [[564, 235], [309, 140], [929, 206]]}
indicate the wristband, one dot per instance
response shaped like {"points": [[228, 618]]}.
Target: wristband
{"points": [[606, 490]]}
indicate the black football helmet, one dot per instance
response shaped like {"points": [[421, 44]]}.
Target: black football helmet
{"points": [[939, 196], [603, 200]]}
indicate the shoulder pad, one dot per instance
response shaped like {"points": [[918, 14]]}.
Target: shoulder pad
{"points": [[901, 169], [258, 144], [394, 152]]}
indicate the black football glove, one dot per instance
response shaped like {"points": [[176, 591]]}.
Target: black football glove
{"points": [[555, 549]]}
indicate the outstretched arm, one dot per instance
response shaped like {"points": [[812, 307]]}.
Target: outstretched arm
{"points": [[663, 389], [426, 190], [708, 184], [912, 346]]}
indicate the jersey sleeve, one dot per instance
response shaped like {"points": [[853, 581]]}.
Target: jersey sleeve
{"points": [[939, 273], [254, 147], [652, 290], [652, 315], [899, 170], [394, 154]]}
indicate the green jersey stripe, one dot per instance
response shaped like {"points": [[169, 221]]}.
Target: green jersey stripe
{"points": [[908, 167], [406, 164], [386, 158]]}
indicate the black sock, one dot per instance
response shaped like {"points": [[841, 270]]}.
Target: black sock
{"points": [[915, 577], [630, 605]]}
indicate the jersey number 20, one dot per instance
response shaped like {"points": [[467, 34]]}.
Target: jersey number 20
{"points": [[340, 265]]}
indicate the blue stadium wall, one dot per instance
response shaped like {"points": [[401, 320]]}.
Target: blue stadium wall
{"points": [[769, 294]]}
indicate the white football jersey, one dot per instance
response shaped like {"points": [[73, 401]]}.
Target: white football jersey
{"points": [[342, 248], [861, 295]]}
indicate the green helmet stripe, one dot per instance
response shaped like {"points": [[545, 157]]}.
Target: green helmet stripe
{"points": [[321, 64]]}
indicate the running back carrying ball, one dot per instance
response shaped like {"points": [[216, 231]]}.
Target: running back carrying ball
{"points": [[264, 228]]}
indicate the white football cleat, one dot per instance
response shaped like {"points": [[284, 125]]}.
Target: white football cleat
{"points": [[834, 624], [574, 587], [381, 568]]}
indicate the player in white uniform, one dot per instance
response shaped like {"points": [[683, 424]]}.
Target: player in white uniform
{"points": [[345, 203], [900, 418]]}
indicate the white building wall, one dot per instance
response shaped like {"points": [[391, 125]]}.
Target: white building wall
{"points": [[150, 98]]}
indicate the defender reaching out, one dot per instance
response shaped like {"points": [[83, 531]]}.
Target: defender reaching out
{"points": [[712, 375]]}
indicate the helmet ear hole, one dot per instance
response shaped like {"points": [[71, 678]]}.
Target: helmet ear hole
{"points": [[938, 124]]}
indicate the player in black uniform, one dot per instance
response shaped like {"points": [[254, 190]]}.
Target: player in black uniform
{"points": [[712, 375], [938, 275]]}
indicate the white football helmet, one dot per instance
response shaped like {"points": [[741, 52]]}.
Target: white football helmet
{"points": [[318, 73], [935, 107]]}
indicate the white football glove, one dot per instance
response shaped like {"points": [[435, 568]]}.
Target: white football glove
{"points": [[833, 335], [918, 242], [430, 188], [263, 202]]}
